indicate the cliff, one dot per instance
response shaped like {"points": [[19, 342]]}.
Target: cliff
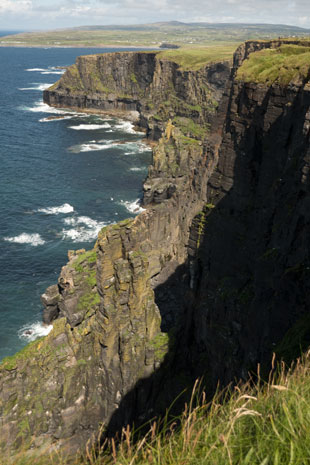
{"points": [[206, 281], [146, 84]]}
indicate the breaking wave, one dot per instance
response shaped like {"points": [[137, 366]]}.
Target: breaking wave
{"points": [[129, 148], [35, 69], [37, 87], [133, 207], [90, 127], [84, 229], [41, 107], [92, 146], [127, 126], [136, 168], [49, 70], [32, 331], [65, 208], [33, 239]]}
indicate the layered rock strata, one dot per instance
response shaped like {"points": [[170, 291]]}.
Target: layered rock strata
{"points": [[151, 87]]}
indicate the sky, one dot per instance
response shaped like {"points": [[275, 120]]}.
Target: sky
{"points": [[52, 14]]}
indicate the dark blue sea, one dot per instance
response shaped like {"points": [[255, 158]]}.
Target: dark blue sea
{"points": [[63, 176]]}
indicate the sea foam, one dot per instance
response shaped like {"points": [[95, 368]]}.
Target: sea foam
{"points": [[127, 126], [133, 207], [25, 238], [49, 70], [32, 331], [35, 69], [38, 86], [83, 229], [92, 146], [129, 148], [65, 208], [138, 168], [40, 107], [90, 127]]}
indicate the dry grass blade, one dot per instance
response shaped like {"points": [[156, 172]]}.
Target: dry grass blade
{"points": [[278, 387]]}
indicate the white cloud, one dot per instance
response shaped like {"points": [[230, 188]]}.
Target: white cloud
{"points": [[304, 20], [65, 13], [15, 6]]}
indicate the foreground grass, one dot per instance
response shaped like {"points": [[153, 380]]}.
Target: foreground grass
{"points": [[254, 424], [283, 65]]}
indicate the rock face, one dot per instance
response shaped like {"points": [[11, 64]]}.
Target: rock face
{"points": [[204, 282], [142, 82], [254, 283]]}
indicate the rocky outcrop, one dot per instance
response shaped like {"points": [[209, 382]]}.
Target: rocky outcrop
{"points": [[204, 282]]}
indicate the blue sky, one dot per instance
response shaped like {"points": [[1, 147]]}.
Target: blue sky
{"points": [[51, 14]]}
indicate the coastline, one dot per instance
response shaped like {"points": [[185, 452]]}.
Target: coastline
{"points": [[125, 47], [132, 116]]}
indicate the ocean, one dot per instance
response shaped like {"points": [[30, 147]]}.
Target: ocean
{"points": [[63, 176]]}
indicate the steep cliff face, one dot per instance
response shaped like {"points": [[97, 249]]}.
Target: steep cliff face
{"points": [[143, 82], [203, 282], [253, 262]]}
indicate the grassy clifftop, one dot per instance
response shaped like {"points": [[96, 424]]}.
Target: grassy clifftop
{"points": [[288, 63], [196, 58]]}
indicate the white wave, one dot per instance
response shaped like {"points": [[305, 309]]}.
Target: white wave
{"points": [[65, 208], [128, 127], [32, 331], [25, 238], [58, 118], [89, 127], [41, 107], [135, 147], [35, 69], [129, 147], [133, 207], [92, 146], [49, 70], [136, 168], [37, 87], [84, 229], [53, 72]]}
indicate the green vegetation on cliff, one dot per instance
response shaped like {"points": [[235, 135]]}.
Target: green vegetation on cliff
{"points": [[283, 65]]}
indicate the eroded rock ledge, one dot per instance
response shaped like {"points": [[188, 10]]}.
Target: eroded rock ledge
{"points": [[203, 282]]}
